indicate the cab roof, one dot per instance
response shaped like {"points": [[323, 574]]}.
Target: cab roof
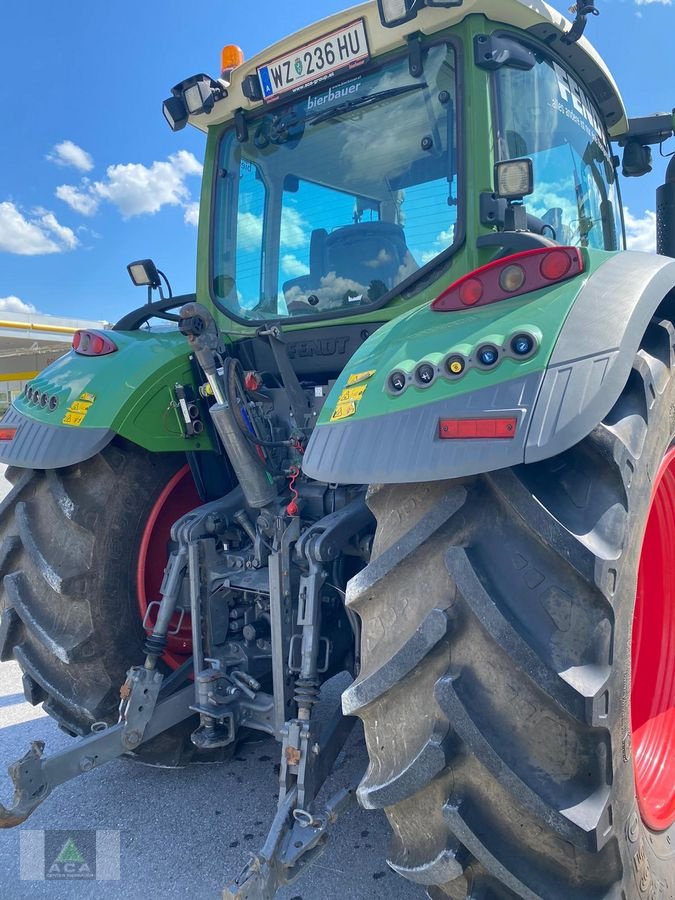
{"points": [[532, 16]]}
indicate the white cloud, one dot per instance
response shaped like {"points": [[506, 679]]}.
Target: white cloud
{"points": [[63, 234], [69, 154], [13, 304], [647, 2], [81, 201], [292, 266], [249, 231], [441, 242], [334, 291], [33, 235], [191, 215], [640, 232], [136, 189], [294, 229]]}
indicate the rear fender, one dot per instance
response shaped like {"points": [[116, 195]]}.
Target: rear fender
{"points": [[589, 332], [595, 351], [127, 393]]}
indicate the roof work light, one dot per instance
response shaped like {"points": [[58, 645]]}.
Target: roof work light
{"points": [[193, 97], [395, 12]]}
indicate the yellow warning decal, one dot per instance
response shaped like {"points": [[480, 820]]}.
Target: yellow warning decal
{"points": [[343, 411], [358, 377], [73, 418], [79, 407], [354, 393]]}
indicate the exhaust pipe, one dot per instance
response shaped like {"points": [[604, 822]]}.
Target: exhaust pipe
{"points": [[665, 213]]}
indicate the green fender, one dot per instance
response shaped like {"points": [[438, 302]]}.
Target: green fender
{"points": [[127, 393], [588, 331]]}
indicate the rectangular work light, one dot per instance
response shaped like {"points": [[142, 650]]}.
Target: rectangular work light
{"points": [[144, 271], [514, 178], [395, 12]]}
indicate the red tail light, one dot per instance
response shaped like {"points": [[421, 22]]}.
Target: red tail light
{"points": [[511, 276], [92, 343]]}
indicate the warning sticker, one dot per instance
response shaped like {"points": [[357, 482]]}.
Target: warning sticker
{"points": [[78, 409], [73, 418], [360, 376], [343, 411], [354, 393]]}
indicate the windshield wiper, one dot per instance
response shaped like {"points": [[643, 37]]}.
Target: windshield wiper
{"points": [[358, 102]]}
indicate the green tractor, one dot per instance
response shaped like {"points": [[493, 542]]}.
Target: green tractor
{"points": [[417, 424]]}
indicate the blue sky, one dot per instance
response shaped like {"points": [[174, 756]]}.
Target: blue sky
{"points": [[91, 177]]}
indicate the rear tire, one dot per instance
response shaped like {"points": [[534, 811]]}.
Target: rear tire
{"points": [[495, 689], [69, 544]]}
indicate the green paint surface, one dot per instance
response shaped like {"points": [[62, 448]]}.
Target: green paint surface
{"points": [[132, 389], [425, 335]]}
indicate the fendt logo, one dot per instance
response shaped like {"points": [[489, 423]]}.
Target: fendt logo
{"points": [[322, 347]]}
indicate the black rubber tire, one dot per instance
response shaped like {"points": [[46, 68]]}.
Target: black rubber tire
{"points": [[495, 684], [69, 541]]}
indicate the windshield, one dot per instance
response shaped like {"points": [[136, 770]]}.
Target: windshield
{"points": [[333, 200], [546, 115]]}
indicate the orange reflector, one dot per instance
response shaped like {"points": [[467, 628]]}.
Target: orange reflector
{"points": [[463, 429], [7, 434], [231, 56]]}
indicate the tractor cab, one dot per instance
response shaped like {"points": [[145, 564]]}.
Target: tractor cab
{"points": [[351, 166]]}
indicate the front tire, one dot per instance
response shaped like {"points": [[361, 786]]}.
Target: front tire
{"points": [[69, 551], [495, 693]]}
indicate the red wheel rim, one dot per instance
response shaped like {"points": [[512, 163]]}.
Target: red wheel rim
{"points": [[653, 658], [178, 497]]}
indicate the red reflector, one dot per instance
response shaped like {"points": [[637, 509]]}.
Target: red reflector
{"points": [[471, 291], [555, 265], [467, 429], [7, 434]]}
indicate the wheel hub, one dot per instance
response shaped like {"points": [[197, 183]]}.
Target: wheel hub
{"points": [[653, 658], [178, 497]]}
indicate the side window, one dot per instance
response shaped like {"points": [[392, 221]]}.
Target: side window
{"points": [[544, 113], [250, 217]]}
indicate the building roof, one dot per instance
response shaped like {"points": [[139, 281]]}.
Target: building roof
{"points": [[31, 336]]}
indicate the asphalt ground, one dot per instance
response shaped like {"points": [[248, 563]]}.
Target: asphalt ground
{"points": [[187, 832]]}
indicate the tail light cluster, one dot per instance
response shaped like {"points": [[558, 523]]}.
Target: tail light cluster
{"points": [[511, 276], [92, 343]]}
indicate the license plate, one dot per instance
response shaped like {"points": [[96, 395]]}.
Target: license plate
{"points": [[342, 49]]}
